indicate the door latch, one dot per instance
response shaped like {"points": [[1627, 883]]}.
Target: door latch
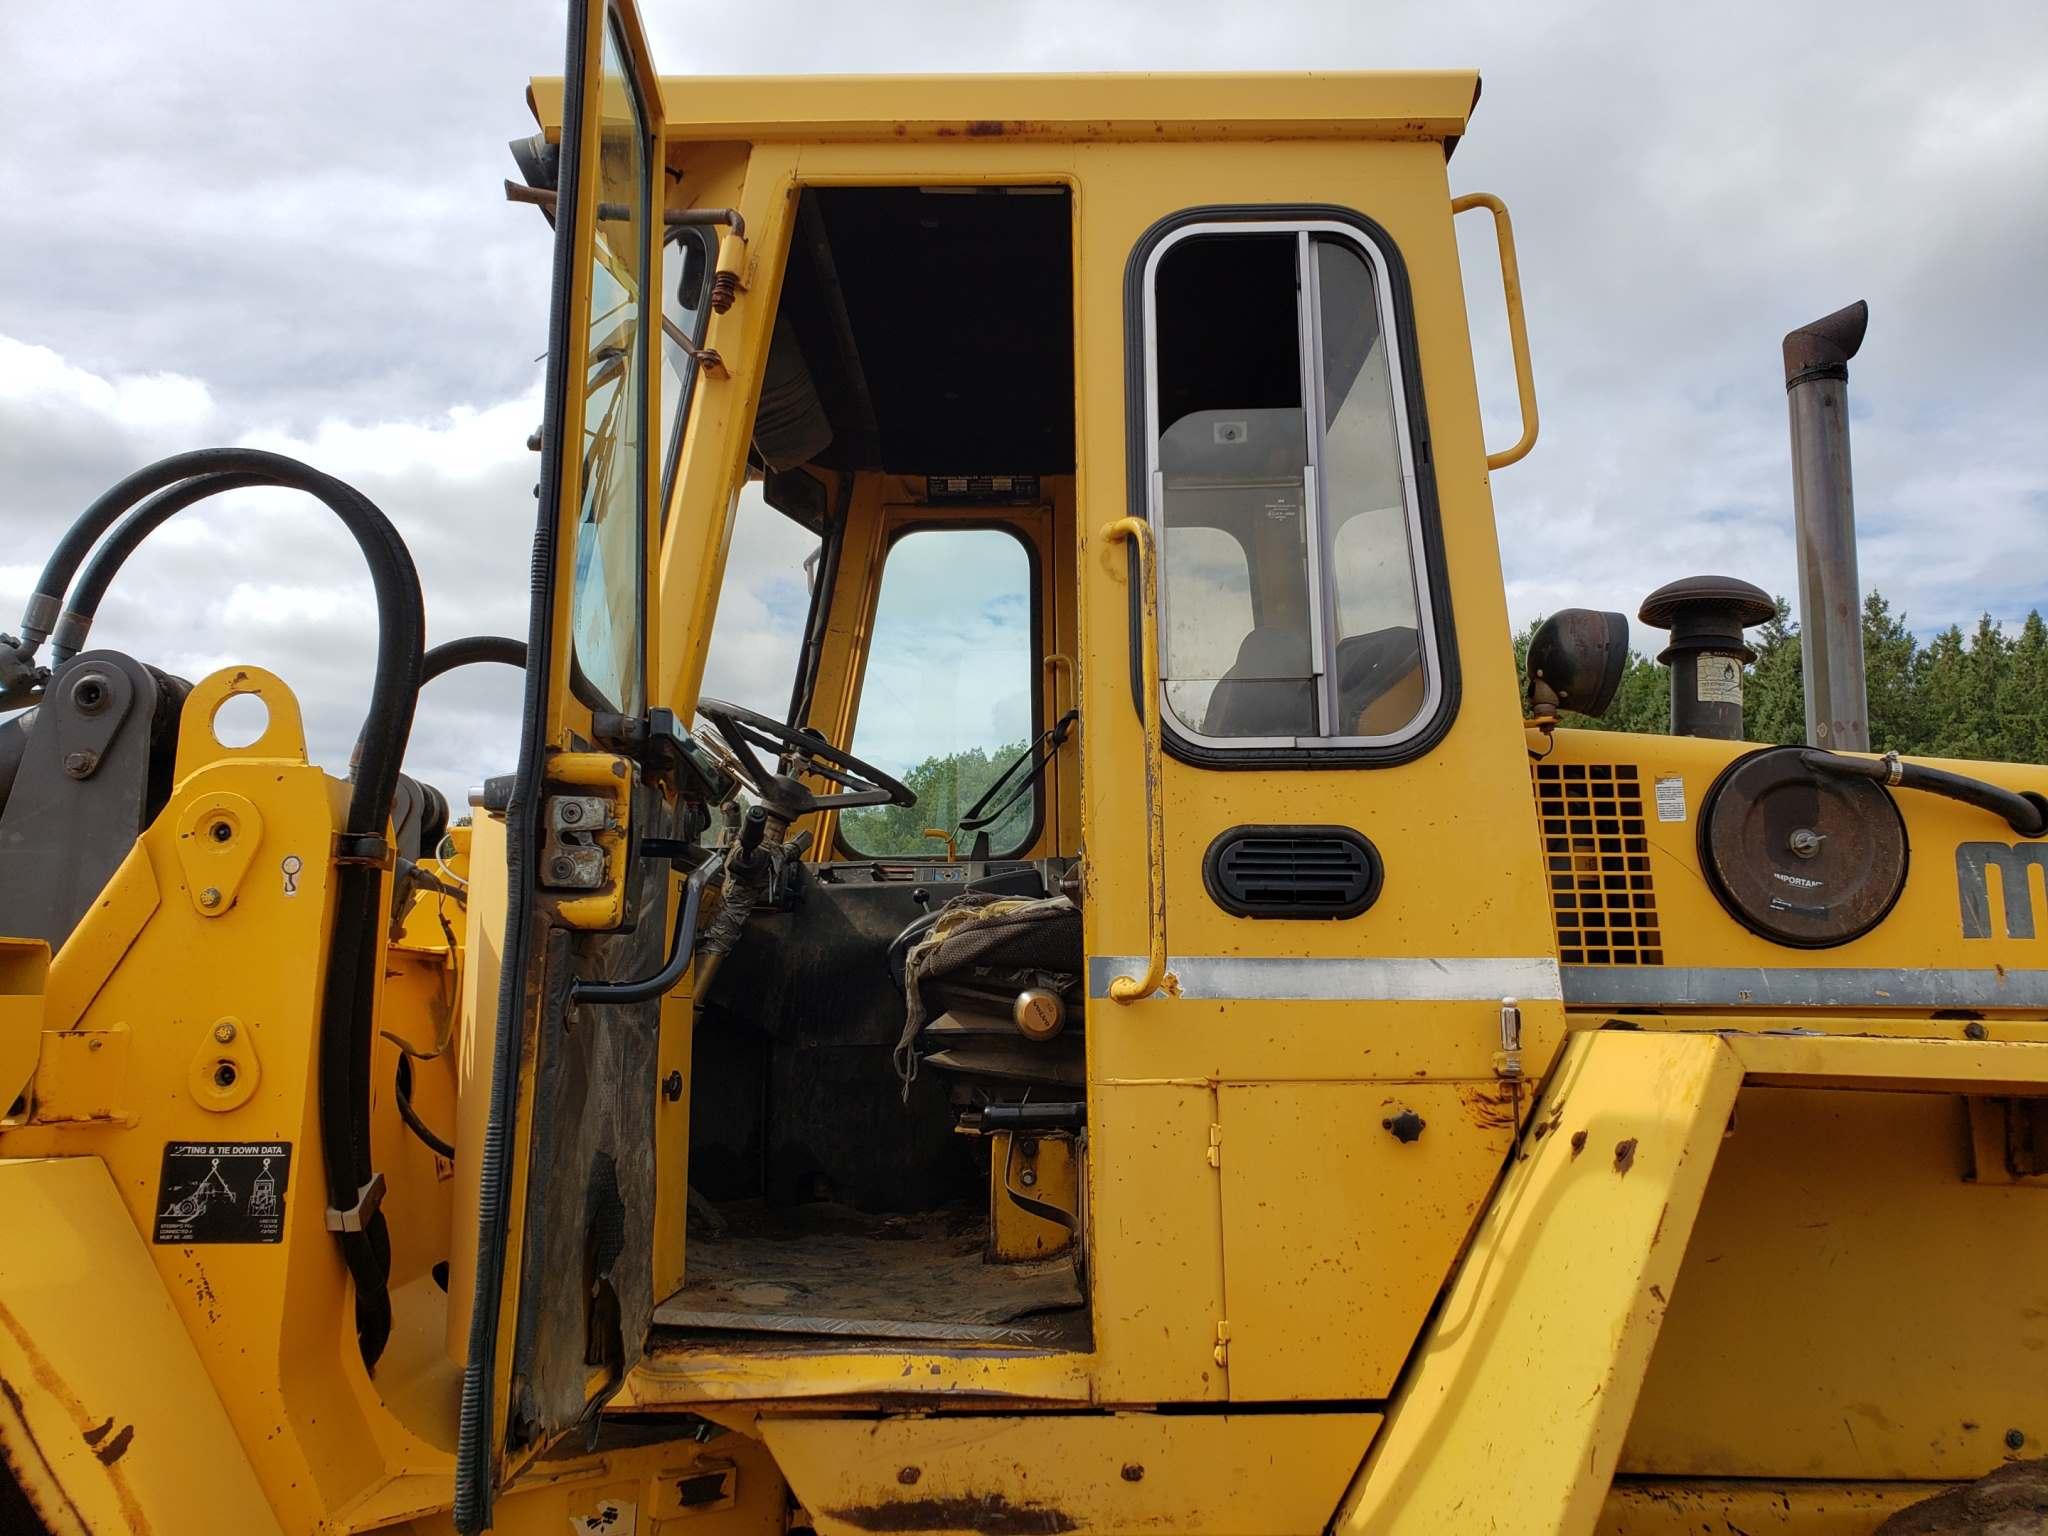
{"points": [[586, 815]]}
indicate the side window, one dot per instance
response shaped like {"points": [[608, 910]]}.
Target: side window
{"points": [[686, 264], [949, 694], [763, 601], [1294, 599]]}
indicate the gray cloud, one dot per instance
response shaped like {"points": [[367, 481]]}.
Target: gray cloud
{"points": [[246, 222]]}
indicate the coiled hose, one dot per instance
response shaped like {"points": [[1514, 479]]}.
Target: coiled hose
{"points": [[349, 991]]}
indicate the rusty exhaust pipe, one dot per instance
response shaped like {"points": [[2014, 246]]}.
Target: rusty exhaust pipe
{"points": [[1824, 515]]}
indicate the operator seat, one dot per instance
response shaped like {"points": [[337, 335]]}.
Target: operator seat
{"points": [[1268, 690], [963, 969]]}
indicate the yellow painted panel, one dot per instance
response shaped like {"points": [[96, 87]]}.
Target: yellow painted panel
{"points": [[1672, 1508], [1054, 1173], [1337, 1235], [483, 943], [1263, 1475], [24, 972], [1155, 1252], [1924, 929], [1851, 1306], [1511, 1416], [1410, 104], [118, 1423]]}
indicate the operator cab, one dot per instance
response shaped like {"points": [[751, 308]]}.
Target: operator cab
{"points": [[887, 1080]]}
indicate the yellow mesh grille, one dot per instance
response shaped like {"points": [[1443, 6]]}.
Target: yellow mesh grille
{"points": [[1598, 863]]}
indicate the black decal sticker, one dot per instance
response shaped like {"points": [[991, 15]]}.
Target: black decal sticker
{"points": [[222, 1192]]}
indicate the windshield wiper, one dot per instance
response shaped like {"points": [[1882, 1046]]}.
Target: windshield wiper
{"points": [[979, 818]]}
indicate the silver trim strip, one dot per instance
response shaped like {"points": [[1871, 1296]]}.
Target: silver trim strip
{"points": [[1874, 987], [1285, 979]]}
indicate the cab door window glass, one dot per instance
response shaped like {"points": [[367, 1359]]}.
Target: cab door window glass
{"points": [[1277, 429], [949, 694], [609, 591]]}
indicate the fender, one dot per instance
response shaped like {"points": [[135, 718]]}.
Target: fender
{"points": [[108, 1422]]}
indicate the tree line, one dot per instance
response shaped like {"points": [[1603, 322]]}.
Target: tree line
{"points": [[1978, 695]]}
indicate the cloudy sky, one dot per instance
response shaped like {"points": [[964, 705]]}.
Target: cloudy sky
{"points": [[281, 225]]}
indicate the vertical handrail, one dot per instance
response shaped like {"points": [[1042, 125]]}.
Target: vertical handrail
{"points": [[1518, 327], [1129, 989]]}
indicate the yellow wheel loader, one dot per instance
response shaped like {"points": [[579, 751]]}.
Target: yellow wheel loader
{"points": [[1271, 1076]]}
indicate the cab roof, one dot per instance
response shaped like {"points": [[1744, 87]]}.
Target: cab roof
{"points": [[1411, 105]]}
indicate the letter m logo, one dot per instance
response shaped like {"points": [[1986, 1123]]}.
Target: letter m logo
{"points": [[2015, 886]]}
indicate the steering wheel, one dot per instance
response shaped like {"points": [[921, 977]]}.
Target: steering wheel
{"points": [[798, 751]]}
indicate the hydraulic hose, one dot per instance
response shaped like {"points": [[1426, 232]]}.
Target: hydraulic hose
{"points": [[470, 650], [2025, 814], [401, 1093], [349, 989], [67, 637]]}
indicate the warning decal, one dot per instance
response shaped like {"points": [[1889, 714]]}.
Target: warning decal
{"points": [[222, 1192]]}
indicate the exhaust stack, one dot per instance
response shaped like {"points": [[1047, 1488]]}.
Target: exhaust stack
{"points": [[1824, 514]]}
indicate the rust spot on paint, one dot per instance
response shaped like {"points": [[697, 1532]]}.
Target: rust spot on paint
{"points": [[909, 1475], [1578, 1142], [117, 1447], [988, 1514], [51, 1385], [100, 1431], [985, 128], [1658, 1292], [1624, 1155], [1488, 1108]]}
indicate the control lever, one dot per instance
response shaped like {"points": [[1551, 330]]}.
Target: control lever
{"points": [[922, 897], [753, 828]]}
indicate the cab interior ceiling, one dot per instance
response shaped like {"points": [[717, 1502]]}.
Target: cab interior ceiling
{"points": [[924, 331]]}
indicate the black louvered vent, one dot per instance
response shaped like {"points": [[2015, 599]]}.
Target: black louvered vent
{"points": [[1325, 872], [1597, 859]]}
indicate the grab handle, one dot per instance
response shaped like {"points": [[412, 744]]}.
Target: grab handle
{"points": [[1129, 989], [1518, 327]]}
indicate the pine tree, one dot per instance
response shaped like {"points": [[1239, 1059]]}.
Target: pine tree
{"points": [[1984, 696], [1888, 652], [1774, 700], [2023, 694]]}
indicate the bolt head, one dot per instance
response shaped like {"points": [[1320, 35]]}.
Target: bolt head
{"points": [[572, 811], [224, 1075], [224, 1031], [1027, 1178], [209, 898], [221, 831], [79, 764], [2015, 1439]]}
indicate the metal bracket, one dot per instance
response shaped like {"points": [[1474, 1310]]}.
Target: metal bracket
{"points": [[363, 1212], [666, 752], [364, 849]]}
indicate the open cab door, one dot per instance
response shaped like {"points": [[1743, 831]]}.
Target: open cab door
{"points": [[567, 1181]]}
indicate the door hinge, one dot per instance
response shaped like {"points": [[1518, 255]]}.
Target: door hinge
{"points": [[1222, 1350], [1215, 1146]]}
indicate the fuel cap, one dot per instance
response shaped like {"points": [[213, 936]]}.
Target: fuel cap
{"points": [[1805, 859]]}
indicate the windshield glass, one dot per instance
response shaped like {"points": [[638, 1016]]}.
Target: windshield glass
{"points": [[947, 698]]}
